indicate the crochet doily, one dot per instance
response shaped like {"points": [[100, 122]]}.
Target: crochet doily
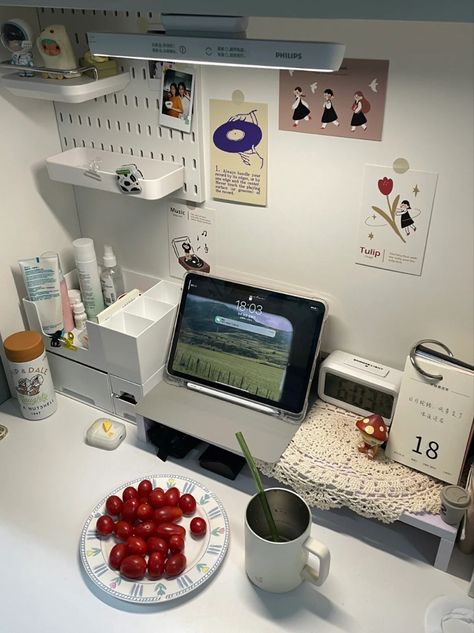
{"points": [[323, 465]]}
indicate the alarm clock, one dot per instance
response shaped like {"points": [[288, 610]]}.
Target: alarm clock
{"points": [[359, 385]]}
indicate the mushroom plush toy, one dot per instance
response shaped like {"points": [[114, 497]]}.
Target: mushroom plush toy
{"points": [[374, 433]]}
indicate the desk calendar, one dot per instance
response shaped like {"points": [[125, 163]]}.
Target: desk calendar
{"points": [[433, 423]]}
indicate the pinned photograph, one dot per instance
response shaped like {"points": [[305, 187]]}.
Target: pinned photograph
{"points": [[177, 97]]}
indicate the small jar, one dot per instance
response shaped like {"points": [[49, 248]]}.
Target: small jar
{"points": [[80, 316], [31, 375]]}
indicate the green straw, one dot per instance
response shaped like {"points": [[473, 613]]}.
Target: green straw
{"points": [[258, 482]]}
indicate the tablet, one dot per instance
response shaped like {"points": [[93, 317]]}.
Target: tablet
{"points": [[250, 345]]}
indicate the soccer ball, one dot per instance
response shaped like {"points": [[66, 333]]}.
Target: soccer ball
{"points": [[127, 179]]}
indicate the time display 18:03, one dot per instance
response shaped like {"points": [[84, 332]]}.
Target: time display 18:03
{"points": [[248, 308]]}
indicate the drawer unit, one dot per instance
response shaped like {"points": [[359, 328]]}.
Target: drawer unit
{"points": [[81, 382]]}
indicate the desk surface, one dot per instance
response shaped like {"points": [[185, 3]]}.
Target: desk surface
{"points": [[50, 482]]}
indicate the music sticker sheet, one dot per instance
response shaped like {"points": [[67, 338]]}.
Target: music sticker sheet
{"points": [[190, 239], [395, 218]]}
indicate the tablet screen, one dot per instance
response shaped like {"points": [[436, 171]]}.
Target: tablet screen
{"points": [[243, 340]]}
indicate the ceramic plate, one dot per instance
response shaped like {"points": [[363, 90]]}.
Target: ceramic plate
{"points": [[204, 556]]}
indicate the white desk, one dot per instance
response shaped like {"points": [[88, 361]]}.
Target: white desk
{"points": [[50, 482]]}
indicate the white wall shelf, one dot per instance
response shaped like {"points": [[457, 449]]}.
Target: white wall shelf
{"points": [[77, 167], [73, 90]]}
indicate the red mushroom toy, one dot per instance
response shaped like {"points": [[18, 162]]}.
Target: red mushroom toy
{"points": [[374, 433]]}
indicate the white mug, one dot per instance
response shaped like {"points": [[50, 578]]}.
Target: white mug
{"points": [[282, 566]]}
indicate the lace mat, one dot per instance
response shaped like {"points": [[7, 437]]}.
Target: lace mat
{"points": [[323, 465]]}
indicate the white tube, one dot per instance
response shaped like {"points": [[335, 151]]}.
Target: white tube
{"points": [[41, 276]]}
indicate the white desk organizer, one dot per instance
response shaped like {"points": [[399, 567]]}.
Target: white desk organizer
{"points": [[160, 178], [126, 354]]}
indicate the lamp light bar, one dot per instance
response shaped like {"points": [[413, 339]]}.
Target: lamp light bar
{"points": [[217, 51]]}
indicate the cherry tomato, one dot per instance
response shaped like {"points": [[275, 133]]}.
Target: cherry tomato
{"points": [[123, 529], [105, 525], [167, 514], [113, 505], [157, 544], [145, 529], [129, 510], [187, 503], [129, 493], [175, 564], [156, 565], [165, 530], [144, 488], [176, 543], [144, 512], [157, 498], [172, 496], [136, 545], [198, 526], [117, 554], [133, 566]]}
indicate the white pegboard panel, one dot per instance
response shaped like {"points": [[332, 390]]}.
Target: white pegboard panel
{"points": [[127, 121]]}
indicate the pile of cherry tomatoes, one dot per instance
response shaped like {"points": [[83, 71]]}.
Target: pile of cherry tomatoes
{"points": [[144, 522]]}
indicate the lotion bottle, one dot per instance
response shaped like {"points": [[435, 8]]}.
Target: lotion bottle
{"points": [[111, 277], [88, 273]]}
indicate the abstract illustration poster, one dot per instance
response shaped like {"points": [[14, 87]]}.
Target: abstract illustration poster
{"points": [[348, 103], [190, 239], [395, 218], [239, 151]]}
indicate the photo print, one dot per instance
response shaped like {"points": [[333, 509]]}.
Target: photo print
{"points": [[177, 97]]}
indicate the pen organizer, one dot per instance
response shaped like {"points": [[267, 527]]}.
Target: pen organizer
{"points": [[126, 353]]}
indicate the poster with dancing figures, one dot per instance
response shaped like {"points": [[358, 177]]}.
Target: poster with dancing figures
{"points": [[190, 239], [395, 218], [239, 151], [348, 103]]}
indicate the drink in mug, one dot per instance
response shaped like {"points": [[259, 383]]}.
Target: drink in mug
{"points": [[282, 566]]}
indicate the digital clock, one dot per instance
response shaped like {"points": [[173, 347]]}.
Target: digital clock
{"points": [[359, 385]]}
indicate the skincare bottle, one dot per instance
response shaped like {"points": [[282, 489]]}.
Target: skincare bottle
{"points": [[80, 316], [111, 277], [74, 296], [88, 273]]}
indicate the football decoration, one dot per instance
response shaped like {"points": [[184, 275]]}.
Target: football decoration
{"points": [[128, 179]]}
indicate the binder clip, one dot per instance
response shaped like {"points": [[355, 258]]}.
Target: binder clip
{"points": [[417, 347]]}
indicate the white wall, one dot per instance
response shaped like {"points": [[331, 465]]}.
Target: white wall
{"points": [[35, 217], [305, 237]]}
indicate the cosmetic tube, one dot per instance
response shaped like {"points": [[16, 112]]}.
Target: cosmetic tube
{"points": [[68, 319], [41, 277]]}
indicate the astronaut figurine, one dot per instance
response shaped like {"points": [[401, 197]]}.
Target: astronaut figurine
{"points": [[55, 48], [16, 36]]}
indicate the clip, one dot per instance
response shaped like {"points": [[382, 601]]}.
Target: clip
{"points": [[421, 371], [68, 341]]}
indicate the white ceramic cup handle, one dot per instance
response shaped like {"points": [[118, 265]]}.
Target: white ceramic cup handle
{"points": [[322, 553]]}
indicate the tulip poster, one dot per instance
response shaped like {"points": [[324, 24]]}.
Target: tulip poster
{"points": [[395, 218]]}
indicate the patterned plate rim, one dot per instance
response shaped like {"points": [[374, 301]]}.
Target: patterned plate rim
{"points": [[135, 595]]}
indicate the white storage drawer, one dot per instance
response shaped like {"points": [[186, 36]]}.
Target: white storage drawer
{"points": [[126, 395], [81, 382]]}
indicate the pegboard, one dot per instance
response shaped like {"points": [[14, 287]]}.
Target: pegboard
{"points": [[127, 121]]}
